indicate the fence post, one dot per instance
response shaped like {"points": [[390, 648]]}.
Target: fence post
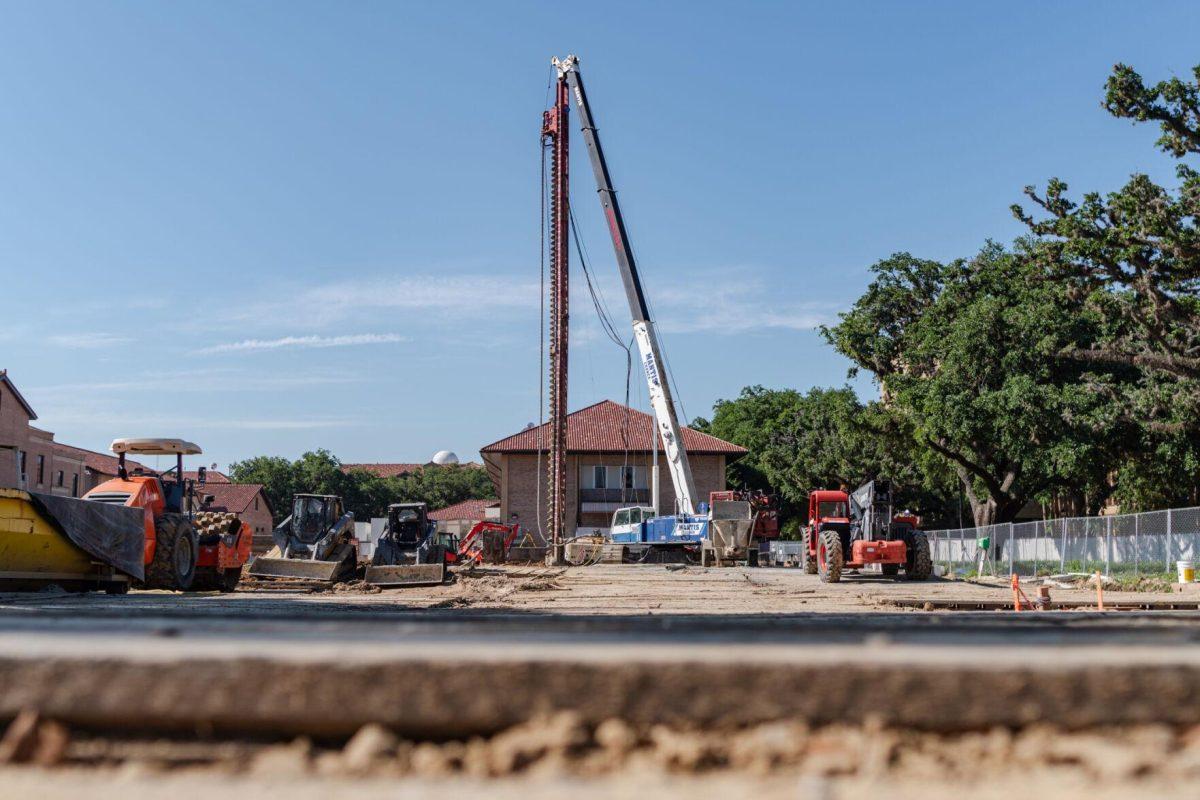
{"points": [[1137, 545], [1108, 545], [1062, 553], [1012, 545], [1170, 541]]}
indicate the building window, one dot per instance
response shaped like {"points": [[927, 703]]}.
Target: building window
{"points": [[59, 478], [598, 478], [256, 502], [75, 485], [23, 458], [41, 475]]}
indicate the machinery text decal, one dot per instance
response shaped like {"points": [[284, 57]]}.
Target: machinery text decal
{"points": [[651, 369]]}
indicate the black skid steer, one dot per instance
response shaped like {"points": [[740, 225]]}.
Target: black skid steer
{"points": [[316, 543]]}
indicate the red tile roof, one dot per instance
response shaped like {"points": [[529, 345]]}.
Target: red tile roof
{"points": [[602, 428], [233, 497], [467, 509], [213, 476], [98, 462], [384, 470]]}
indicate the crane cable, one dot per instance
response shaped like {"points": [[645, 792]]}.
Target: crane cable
{"points": [[610, 330]]}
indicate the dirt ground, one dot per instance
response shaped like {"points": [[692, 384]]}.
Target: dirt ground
{"points": [[551, 755], [696, 590]]}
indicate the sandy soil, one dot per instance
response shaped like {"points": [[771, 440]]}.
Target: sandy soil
{"points": [[692, 590]]}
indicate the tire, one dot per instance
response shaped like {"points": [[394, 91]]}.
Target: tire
{"points": [[829, 556], [174, 564], [919, 564], [810, 561], [891, 570], [228, 580]]}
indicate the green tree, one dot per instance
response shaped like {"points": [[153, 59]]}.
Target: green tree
{"points": [[825, 438], [1134, 255], [364, 493], [276, 476], [965, 353]]}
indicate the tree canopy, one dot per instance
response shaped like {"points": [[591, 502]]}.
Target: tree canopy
{"points": [[365, 494]]}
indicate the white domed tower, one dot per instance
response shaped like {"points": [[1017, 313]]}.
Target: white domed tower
{"points": [[444, 457]]}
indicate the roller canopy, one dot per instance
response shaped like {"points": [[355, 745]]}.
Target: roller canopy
{"points": [[156, 447], [113, 535]]}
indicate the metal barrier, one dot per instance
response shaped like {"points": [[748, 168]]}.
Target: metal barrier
{"points": [[1148, 543]]}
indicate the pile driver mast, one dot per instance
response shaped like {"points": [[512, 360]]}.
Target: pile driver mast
{"points": [[570, 82], [555, 135]]}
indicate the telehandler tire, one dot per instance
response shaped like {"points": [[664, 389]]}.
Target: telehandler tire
{"points": [[809, 559], [919, 563], [829, 556], [175, 552]]}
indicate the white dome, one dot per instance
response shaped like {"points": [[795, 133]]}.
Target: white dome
{"points": [[444, 457]]}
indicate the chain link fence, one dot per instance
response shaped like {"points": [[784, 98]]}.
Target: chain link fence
{"points": [[1127, 544]]}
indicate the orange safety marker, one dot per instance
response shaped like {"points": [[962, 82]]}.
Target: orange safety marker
{"points": [[1099, 592], [1018, 594]]}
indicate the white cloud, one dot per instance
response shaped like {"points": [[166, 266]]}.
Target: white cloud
{"points": [[222, 381], [311, 341], [89, 341], [329, 303]]}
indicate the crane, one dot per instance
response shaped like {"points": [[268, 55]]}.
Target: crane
{"points": [[644, 332]]}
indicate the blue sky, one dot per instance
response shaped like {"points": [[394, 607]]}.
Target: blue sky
{"points": [[271, 227]]}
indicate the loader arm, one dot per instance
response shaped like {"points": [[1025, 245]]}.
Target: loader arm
{"points": [[643, 327]]}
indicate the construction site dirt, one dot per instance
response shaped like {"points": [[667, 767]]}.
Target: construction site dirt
{"points": [[602, 681]]}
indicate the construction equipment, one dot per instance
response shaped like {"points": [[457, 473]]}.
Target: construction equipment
{"points": [[487, 542], [137, 528], [224, 548], [46, 540], [315, 543], [730, 537], [850, 531], [688, 526], [409, 552]]}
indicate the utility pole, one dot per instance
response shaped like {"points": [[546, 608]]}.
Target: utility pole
{"points": [[555, 134]]}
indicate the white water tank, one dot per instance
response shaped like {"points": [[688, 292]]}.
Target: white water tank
{"points": [[444, 457]]}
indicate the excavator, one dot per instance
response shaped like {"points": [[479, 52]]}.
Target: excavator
{"points": [[140, 528]]}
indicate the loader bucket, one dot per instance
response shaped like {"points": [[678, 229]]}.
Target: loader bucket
{"points": [[271, 565], [400, 575], [76, 544]]}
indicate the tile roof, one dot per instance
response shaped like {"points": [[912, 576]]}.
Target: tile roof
{"points": [[384, 470], [213, 476], [467, 509], [233, 497], [601, 428], [97, 462]]}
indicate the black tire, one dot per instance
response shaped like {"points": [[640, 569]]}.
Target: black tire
{"points": [[174, 564], [891, 570], [829, 556], [117, 588], [918, 564], [810, 562], [228, 580]]}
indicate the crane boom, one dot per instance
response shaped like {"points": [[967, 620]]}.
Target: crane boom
{"points": [[643, 327]]}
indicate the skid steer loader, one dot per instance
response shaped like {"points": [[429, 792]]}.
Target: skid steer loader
{"points": [[409, 552], [315, 543]]}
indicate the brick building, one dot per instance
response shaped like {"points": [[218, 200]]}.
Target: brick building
{"points": [[461, 517], [30, 459], [609, 464], [248, 501]]}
